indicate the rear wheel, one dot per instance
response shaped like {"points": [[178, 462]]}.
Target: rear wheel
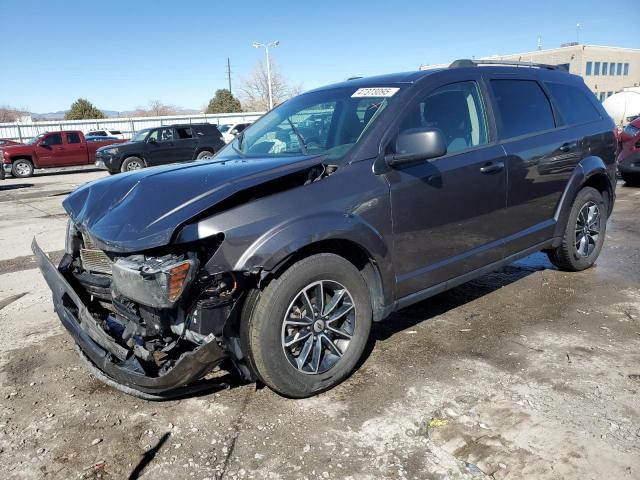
{"points": [[22, 168], [204, 154], [584, 234], [308, 328], [132, 163]]}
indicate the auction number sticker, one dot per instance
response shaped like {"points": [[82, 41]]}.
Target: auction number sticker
{"points": [[375, 92]]}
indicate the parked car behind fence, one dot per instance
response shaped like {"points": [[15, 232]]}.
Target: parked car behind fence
{"points": [[160, 146], [48, 150]]}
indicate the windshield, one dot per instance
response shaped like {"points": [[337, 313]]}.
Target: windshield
{"points": [[33, 140], [223, 128], [326, 122], [141, 135]]}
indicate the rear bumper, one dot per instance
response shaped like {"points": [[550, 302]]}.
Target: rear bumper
{"points": [[107, 355]]}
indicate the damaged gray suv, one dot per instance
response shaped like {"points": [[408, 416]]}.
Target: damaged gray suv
{"points": [[330, 212]]}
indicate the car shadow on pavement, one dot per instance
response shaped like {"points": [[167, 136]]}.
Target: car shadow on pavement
{"points": [[454, 298], [15, 186], [68, 171]]}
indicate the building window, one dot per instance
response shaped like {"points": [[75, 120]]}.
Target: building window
{"points": [[590, 64], [626, 69], [604, 68], [612, 67], [619, 70], [596, 68]]}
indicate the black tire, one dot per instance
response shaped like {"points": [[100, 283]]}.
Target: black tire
{"points": [[262, 330], [204, 154], [22, 168], [631, 179], [131, 164], [567, 256]]}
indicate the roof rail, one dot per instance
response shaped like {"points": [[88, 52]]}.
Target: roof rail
{"points": [[465, 62]]}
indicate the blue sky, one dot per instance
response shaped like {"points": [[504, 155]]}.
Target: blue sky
{"points": [[122, 54]]}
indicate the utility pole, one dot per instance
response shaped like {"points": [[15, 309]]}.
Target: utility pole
{"points": [[266, 47], [578, 32], [229, 73]]}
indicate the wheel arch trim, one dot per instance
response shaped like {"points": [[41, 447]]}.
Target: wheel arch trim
{"points": [[587, 170]]}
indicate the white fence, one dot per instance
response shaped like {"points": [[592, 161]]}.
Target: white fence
{"points": [[128, 126]]}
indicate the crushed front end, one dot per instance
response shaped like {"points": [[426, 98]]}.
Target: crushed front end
{"points": [[151, 321]]}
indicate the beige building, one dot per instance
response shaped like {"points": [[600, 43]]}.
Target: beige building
{"points": [[606, 70]]}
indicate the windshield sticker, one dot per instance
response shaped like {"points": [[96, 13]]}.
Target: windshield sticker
{"points": [[375, 92]]}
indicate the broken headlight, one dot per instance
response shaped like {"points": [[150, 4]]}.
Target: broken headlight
{"points": [[153, 281], [72, 239]]}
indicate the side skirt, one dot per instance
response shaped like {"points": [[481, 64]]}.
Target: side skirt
{"points": [[454, 282]]}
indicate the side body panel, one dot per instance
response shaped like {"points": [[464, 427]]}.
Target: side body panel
{"points": [[72, 152]]}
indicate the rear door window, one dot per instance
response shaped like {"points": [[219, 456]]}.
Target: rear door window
{"points": [[73, 137], [575, 107], [523, 107], [184, 132]]}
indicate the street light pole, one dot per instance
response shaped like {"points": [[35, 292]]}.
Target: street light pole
{"points": [[578, 32], [266, 48]]}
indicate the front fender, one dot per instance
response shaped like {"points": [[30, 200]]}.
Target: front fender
{"points": [[272, 248]]}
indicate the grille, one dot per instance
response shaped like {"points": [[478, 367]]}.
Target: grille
{"points": [[93, 259]]}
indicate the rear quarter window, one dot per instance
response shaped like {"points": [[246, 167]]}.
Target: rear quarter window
{"points": [[523, 107], [206, 129], [575, 107]]}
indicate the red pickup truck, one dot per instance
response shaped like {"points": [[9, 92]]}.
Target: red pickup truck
{"points": [[52, 149]]}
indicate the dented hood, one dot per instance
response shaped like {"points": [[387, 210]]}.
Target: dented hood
{"points": [[141, 210]]}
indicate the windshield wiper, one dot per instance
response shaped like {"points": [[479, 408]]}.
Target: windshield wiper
{"points": [[303, 145]]}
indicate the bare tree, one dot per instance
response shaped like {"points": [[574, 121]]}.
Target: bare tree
{"points": [[155, 108], [11, 114], [255, 88]]}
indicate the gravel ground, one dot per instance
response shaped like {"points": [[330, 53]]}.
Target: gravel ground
{"points": [[524, 373]]}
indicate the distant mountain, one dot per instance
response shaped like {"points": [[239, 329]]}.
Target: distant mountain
{"points": [[59, 115]]}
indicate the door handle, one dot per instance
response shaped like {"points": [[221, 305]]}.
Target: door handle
{"points": [[567, 147], [492, 167]]}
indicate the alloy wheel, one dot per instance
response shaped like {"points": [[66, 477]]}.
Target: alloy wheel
{"points": [[587, 229], [134, 165], [318, 327], [23, 169]]}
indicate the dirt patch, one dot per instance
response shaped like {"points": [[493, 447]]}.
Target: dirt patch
{"points": [[27, 262]]}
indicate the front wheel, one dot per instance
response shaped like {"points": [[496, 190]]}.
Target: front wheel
{"points": [[22, 168], [131, 164], [306, 331], [204, 154], [584, 234]]}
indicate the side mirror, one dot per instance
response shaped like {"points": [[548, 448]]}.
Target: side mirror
{"points": [[152, 141], [417, 144]]}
